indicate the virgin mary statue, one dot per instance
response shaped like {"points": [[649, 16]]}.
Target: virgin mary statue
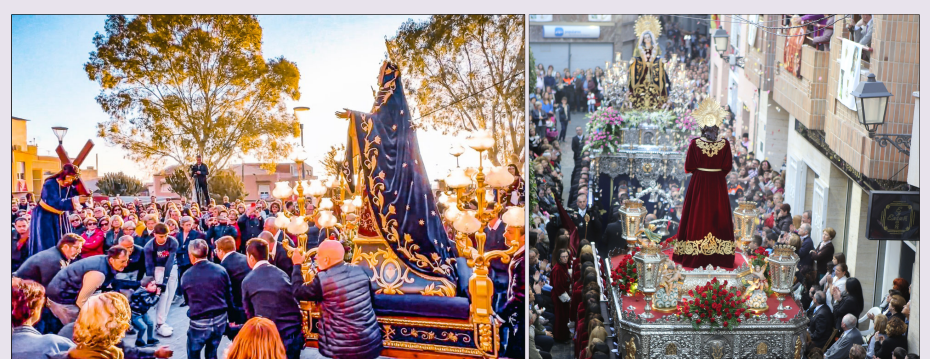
{"points": [[648, 80]]}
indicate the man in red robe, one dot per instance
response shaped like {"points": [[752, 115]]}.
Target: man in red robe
{"points": [[561, 290], [705, 235]]}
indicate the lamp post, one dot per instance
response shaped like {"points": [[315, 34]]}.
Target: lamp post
{"points": [[871, 104], [60, 133], [722, 43], [467, 221], [301, 112]]}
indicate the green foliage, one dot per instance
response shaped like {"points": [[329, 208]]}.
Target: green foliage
{"points": [[329, 163], [466, 72], [119, 184], [532, 77], [180, 85], [179, 181], [534, 197], [225, 182]]}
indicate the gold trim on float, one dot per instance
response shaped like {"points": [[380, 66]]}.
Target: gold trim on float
{"points": [[434, 348], [430, 324]]}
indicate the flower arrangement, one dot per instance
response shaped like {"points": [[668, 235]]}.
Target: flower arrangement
{"points": [[604, 130], [686, 121], [625, 277], [714, 305]]}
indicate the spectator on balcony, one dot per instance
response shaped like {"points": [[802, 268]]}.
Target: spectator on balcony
{"points": [[862, 31]]}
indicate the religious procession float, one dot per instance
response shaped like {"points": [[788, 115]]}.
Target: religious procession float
{"points": [[435, 294], [699, 293]]}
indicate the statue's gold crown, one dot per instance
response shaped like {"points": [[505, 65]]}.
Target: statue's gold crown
{"points": [[648, 23], [709, 113]]}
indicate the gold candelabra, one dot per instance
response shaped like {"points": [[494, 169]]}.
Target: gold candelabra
{"points": [[467, 221]]}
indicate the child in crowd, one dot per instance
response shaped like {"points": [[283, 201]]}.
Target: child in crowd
{"points": [[142, 300], [592, 101]]}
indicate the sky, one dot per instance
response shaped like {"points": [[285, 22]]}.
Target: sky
{"points": [[338, 57]]}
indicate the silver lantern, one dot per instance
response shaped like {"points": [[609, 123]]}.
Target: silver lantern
{"points": [[782, 266], [746, 214], [648, 264], [632, 214]]}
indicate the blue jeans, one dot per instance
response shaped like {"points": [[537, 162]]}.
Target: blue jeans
{"points": [[205, 334], [143, 325], [293, 343]]}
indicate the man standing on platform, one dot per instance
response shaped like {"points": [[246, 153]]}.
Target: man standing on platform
{"points": [[199, 172]]}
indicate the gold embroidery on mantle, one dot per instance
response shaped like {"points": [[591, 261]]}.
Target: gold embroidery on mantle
{"points": [[405, 246], [710, 245], [710, 148]]}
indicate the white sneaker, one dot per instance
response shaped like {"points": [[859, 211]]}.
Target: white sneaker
{"points": [[164, 330]]}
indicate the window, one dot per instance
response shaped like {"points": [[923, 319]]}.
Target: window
{"points": [[264, 190], [21, 170]]}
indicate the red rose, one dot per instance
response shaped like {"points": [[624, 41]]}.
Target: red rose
{"points": [[703, 315], [738, 320], [691, 292], [724, 283], [713, 297], [725, 324], [699, 321], [739, 293], [729, 316]]}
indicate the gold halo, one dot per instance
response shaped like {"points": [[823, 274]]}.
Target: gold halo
{"points": [[648, 23], [709, 113]]}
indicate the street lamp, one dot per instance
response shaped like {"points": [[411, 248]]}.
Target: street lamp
{"points": [[722, 43], [871, 103], [301, 112], [60, 133]]}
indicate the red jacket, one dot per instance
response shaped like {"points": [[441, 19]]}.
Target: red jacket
{"points": [[93, 243]]}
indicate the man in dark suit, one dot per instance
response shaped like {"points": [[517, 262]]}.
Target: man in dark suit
{"points": [[237, 266], [539, 119], [208, 292], [564, 115], [821, 325], [613, 234], [577, 143], [267, 292], [850, 336], [184, 237], [277, 255], [806, 263]]}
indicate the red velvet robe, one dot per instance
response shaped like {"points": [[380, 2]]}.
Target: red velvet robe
{"points": [[706, 211], [560, 284]]}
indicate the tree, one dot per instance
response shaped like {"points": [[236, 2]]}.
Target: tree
{"points": [[180, 85], [466, 72], [329, 162], [179, 181], [532, 76], [225, 182], [119, 184]]}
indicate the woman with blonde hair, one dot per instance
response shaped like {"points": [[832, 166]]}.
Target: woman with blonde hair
{"points": [[881, 322], [102, 324], [258, 339]]}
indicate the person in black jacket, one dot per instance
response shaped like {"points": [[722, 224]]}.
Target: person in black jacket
{"points": [[348, 327], [160, 263], [266, 292], [250, 223], [896, 338], [43, 266], [74, 284], [207, 290], [850, 301], [577, 144], [564, 115], [613, 235], [19, 240], [237, 266], [199, 172], [222, 228], [184, 237], [821, 325], [141, 301]]}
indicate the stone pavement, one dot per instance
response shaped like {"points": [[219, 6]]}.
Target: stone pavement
{"points": [[568, 164], [177, 319]]}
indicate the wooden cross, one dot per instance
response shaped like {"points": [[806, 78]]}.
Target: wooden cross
{"points": [[63, 157]]}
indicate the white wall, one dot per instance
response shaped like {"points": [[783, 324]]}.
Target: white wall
{"points": [[861, 253], [913, 169]]}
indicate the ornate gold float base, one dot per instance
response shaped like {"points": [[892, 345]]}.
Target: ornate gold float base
{"points": [[664, 310]]}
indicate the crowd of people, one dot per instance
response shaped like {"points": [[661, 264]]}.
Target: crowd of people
{"points": [[559, 233], [227, 265]]}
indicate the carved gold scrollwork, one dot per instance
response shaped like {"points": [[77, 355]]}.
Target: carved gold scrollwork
{"points": [[762, 348], [445, 336], [710, 245], [388, 332], [710, 148], [484, 335]]}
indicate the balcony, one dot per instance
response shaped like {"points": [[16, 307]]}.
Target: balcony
{"points": [[804, 96]]}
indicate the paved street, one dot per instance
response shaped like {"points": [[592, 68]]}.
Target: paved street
{"points": [[568, 164], [177, 319]]}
